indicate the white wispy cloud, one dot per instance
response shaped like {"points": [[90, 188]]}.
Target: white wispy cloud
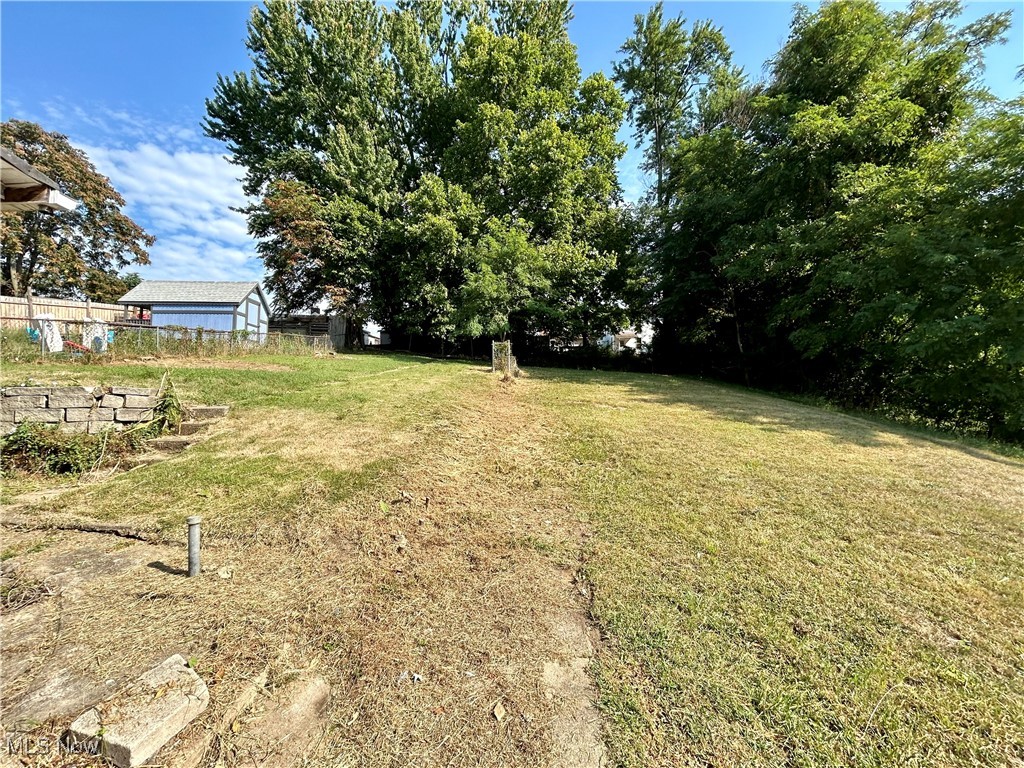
{"points": [[176, 183], [188, 199], [179, 187], [119, 126]]}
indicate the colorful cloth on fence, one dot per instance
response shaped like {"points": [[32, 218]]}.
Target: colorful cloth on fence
{"points": [[94, 335], [52, 341]]}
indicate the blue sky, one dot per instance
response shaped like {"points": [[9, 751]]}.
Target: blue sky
{"points": [[126, 81]]}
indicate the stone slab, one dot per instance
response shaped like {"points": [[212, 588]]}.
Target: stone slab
{"points": [[6, 429], [132, 727], [170, 444], [283, 735], [193, 427], [21, 391], [78, 400], [190, 750], [139, 401], [24, 630], [144, 391], [76, 561], [89, 414], [42, 416], [61, 694], [200, 412], [133, 414], [112, 401], [11, 403]]}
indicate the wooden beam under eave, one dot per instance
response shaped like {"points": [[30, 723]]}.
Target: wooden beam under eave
{"points": [[37, 194]]}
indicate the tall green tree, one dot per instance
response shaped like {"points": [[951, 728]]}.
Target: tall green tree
{"points": [[310, 125], [70, 254], [536, 147], [666, 71], [843, 237], [396, 154]]}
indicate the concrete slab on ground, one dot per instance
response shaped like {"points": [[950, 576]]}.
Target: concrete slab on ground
{"points": [[44, 676], [132, 726], [67, 566]]}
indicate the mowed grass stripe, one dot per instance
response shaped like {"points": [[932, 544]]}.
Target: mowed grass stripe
{"points": [[780, 585]]}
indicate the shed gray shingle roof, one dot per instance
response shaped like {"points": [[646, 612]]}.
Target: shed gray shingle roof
{"points": [[187, 292]]}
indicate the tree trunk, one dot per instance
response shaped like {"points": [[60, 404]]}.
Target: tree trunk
{"points": [[739, 337]]}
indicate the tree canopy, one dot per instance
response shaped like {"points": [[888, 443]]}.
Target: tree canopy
{"points": [[441, 166], [70, 254], [668, 72], [851, 234]]}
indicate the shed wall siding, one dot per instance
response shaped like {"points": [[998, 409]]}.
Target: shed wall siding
{"points": [[212, 318], [198, 308], [251, 315]]}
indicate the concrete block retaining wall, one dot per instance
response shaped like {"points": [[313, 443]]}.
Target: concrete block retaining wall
{"points": [[81, 409]]}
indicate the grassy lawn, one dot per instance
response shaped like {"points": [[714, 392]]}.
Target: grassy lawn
{"points": [[774, 584], [782, 585], [299, 419]]}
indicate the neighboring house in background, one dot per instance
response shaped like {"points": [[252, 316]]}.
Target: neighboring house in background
{"points": [[214, 306], [23, 188], [628, 339], [375, 336], [620, 341]]}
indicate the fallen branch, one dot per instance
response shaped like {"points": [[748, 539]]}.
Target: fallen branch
{"points": [[26, 524]]}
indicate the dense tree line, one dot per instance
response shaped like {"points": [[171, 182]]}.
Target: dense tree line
{"points": [[851, 226]]}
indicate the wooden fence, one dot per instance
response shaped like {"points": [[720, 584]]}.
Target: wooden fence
{"points": [[14, 310]]}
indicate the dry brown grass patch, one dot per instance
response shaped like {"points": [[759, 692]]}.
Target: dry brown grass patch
{"points": [[426, 600]]}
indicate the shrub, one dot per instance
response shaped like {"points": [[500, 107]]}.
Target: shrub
{"points": [[43, 448]]}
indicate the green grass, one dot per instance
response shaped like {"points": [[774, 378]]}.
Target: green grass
{"points": [[781, 585], [295, 422], [775, 584], [280, 380]]}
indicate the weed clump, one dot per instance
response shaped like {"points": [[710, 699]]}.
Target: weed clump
{"points": [[18, 590], [169, 411], [45, 449]]}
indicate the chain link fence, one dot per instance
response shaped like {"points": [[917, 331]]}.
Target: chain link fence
{"points": [[502, 359], [43, 337]]}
